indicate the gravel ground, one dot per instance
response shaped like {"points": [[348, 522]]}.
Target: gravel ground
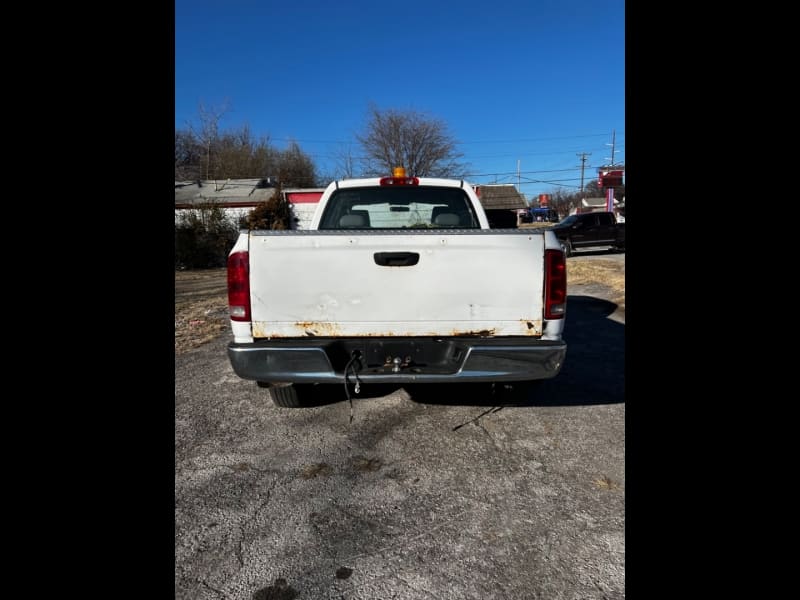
{"points": [[449, 491], [201, 307]]}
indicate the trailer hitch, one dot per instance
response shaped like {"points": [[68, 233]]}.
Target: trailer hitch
{"points": [[354, 365]]}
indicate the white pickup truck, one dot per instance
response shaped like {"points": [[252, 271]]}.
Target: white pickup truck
{"points": [[398, 280]]}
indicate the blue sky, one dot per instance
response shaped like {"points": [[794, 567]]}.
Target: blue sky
{"points": [[523, 85]]}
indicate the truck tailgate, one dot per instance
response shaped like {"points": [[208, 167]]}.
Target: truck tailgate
{"points": [[481, 282]]}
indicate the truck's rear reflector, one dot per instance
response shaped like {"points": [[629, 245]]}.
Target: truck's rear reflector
{"points": [[555, 284], [239, 286]]}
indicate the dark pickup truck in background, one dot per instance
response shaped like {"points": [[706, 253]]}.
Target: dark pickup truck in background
{"points": [[590, 230]]}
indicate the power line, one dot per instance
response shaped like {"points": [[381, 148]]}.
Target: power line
{"points": [[529, 172], [560, 137], [541, 139], [523, 155]]}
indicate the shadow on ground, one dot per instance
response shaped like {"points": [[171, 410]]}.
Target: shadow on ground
{"points": [[602, 252], [593, 371]]}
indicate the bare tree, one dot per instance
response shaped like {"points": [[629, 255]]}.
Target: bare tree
{"points": [[410, 139], [188, 155], [204, 149], [592, 190], [295, 168], [208, 130], [563, 202], [345, 163], [239, 154]]}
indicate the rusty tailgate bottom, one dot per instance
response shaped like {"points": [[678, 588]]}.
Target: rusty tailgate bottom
{"points": [[393, 360]]}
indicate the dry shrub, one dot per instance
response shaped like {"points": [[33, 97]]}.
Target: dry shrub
{"points": [[270, 214]]}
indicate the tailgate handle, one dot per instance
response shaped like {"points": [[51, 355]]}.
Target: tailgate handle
{"points": [[396, 259]]}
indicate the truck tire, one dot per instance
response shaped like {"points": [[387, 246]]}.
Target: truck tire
{"points": [[283, 394], [566, 246]]}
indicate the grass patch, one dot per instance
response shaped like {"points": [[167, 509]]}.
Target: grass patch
{"points": [[608, 274], [200, 321], [606, 483]]}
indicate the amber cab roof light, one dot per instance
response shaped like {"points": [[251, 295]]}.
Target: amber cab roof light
{"points": [[399, 178]]}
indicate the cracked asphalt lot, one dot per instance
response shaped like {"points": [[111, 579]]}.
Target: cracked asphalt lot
{"points": [[442, 491]]}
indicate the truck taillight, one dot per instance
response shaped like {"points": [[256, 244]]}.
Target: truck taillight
{"points": [[555, 284], [239, 286], [399, 178]]}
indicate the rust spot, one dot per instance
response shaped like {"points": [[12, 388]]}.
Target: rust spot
{"points": [[481, 333], [302, 329], [313, 328], [534, 328]]}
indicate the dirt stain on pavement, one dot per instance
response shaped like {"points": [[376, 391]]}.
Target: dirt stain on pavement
{"points": [[343, 573], [280, 590], [605, 483], [367, 464], [311, 471]]}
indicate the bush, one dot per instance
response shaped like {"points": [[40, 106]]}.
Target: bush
{"points": [[203, 237], [270, 214]]}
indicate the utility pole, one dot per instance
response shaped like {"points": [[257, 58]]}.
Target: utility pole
{"points": [[613, 143], [583, 156], [518, 178]]}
